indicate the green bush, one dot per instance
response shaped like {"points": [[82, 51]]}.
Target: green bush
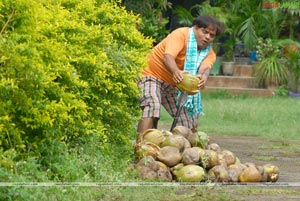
{"points": [[68, 69]]}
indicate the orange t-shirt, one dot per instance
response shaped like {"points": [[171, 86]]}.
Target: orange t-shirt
{"points": [[174, 44]]}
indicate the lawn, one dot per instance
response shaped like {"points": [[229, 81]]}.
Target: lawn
{"points": [[272, 118]]}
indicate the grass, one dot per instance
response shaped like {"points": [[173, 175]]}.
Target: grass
{"points": [[273, 118]]}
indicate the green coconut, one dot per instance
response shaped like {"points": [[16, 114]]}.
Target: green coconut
{"points": [[209, 159], [166, 133], [176, 141], [189, 84], [199, 139], [189, 173], [153, 135]]}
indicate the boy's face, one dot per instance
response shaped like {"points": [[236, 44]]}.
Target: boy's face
{"points": [[204, 36]]}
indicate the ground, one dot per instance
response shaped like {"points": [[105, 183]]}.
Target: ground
{"points": [[284, 153]]}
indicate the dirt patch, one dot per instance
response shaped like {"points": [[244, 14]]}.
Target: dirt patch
{"points": [[284, 153]]}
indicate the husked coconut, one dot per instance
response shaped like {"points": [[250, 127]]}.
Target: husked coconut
{"points": [[189, 173], [147, 168], [221, 159], [215, 147], [198, 139], [169, 155], [218, 173], [147, 173], [149, 162], [175, 141], [209, 159], [162, 165], [234, 172], [250, 174], [153, 135], [272, 171], [237, 160], [200, 151], [182, 130], [187, 144], [229, 157], [264, 175], [164, 173], [146, 149], [166, 133], [190, 156]]}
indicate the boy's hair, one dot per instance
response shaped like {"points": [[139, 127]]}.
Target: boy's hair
{"points": [[206, 21]]}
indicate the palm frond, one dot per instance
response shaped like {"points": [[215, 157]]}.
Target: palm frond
{"points": [[247, 33]]}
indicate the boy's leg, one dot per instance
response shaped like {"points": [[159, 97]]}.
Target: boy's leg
{"points": [[147, 123], [150, 102]]}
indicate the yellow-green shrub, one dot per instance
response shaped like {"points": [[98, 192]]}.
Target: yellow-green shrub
{"points": [[68, 68]]}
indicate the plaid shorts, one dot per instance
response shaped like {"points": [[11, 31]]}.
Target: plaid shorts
{"points": [[155, 93]]}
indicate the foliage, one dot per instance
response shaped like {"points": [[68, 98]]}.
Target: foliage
{"points": [[68, 70], [271, 71], [151, 12], [293, 63], [266, 47], [248, 34], [291, 7], [186, 18]]}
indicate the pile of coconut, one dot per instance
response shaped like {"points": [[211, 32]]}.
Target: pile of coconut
{"points": [[184, 156]]}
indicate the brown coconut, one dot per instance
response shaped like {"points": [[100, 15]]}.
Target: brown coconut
{"points": [[218, 173], [190, 156], [164, 173], [234, 172], [147, 168], [149, 162], [228, 156], [182, 130], [215, 147], [169, 155], [264, 175]]}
